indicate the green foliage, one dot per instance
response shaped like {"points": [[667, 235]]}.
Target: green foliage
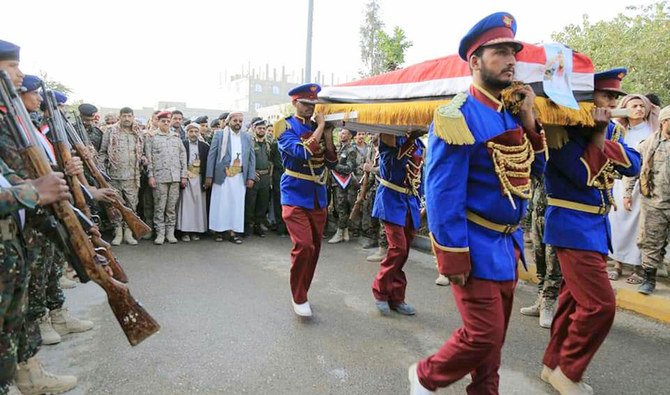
{"points": [[636, 39], [393, 48], [54, 85], [369, 31]]}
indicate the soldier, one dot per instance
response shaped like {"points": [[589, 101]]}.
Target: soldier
{"points": [[30, 375], [345, 186], [476, 150], [546, 262], [166, 158], [579, 178], [655, 195], [257, 198], [88, 113], [176, 124], [121, 154], [306, 150], [397, 206], [277, 173]]}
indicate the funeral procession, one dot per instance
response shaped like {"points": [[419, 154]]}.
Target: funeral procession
{"points": [[335, 197]]}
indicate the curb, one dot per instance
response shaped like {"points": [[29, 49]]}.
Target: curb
{"points": [[656, 307]]}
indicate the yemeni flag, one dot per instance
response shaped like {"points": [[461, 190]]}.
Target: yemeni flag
{"points": [[342, 180], [410, 96]]}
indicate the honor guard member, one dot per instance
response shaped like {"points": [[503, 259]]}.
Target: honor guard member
{"points": [[477, 183], [30, 375], [397, 206], [579, 177], [306, 149], [88, 113], [258, 197]]}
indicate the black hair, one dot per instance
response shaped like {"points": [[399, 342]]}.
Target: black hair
{"points": [[177, 112], [126, 110], [654, 99]]}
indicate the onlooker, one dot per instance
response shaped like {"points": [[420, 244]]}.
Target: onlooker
{"points": [[641, 123], [192, 214], [166, 156], [344, 186], [177, 128], [257, 198]]}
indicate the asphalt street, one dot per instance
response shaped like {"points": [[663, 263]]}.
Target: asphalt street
{"points": [[228, 327]]}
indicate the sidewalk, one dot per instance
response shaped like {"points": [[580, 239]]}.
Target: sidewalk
{"points": [[656, 306]]}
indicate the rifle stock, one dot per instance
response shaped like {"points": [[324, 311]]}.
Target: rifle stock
{"points": [[135, 321], [356, 210]]}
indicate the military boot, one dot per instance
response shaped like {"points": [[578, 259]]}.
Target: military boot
{"points": [[160, 238], [128, 237], [47, 331], [148, 236], [367, 243], [649, 284], [118, 236], [534, 309], [547, 311], [64, 323], [169, 235], [377, 256], [345, 235], [66, 283], [32, 379], [337, 238]]}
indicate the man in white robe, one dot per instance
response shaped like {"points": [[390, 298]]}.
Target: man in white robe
{"points": [[231, 169]]}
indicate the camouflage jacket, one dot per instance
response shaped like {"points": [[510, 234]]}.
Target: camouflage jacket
{"points": [[166, 155], [350, 161], [19, 195], [120, 153]]}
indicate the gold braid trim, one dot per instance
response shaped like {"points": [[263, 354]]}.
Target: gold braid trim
{"points": [[513, 162], [605, 181]]}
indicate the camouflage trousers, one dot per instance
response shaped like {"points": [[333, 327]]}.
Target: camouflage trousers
{"points": [[146, 197], [129, 191], [166, 196], [13, 294], [653, 236], [546, 261], [344, 202], [372, 227], [44, 293]]}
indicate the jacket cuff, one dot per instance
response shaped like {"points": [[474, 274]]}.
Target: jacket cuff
{"points": [[311, 145], [451, 260], [537, 141], [615, 152], [26, 194], [594, 160], [330, 155]]}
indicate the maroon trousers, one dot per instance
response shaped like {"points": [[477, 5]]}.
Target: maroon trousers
{"points": [[475, 348], [390, 283], [306, 230], [585, 313]]}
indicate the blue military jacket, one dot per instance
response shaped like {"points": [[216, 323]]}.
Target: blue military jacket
{"points": [[460, 177], [570, 176], [391, 205], [302, 155]]}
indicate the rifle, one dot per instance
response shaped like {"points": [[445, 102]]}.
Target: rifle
{"points": [[57, 123], [356, 209], [135, 321], [135, 223]]}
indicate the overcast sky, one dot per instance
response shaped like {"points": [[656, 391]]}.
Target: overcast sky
{"points": [[137, 53]]}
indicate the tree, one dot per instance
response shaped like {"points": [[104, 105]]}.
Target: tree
{"points": [[370, 53], [54, 85], [636, 40], [393, 48]]}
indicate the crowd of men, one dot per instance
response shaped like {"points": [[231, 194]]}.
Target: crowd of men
{"points": [[231, 180]]}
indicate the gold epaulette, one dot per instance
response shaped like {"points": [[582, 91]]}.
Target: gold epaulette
{"points": [[279, 127], [557, 136], [619, 132], [449, 123]]}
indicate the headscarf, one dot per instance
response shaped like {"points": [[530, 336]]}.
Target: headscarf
{"points": [[650, 114]]}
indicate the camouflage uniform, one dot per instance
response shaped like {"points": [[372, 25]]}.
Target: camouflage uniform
{"points": [[14, 270], [546, 261], [120, 154], [257, 199], [345, 198], [95, 135], [277, 171], [655, 213], [166, 155], [369, 225]]}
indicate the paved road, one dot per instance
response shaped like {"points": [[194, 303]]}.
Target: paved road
{"points": [[228, 327]]}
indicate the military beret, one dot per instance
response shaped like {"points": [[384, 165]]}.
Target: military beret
{"points": [[497, 28], [202, 119], [610, 80], [214, 123], [223, 116], [31, 83], [306, 93], [60, 97], [163, 115], [9, 51], [87, 110]]}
